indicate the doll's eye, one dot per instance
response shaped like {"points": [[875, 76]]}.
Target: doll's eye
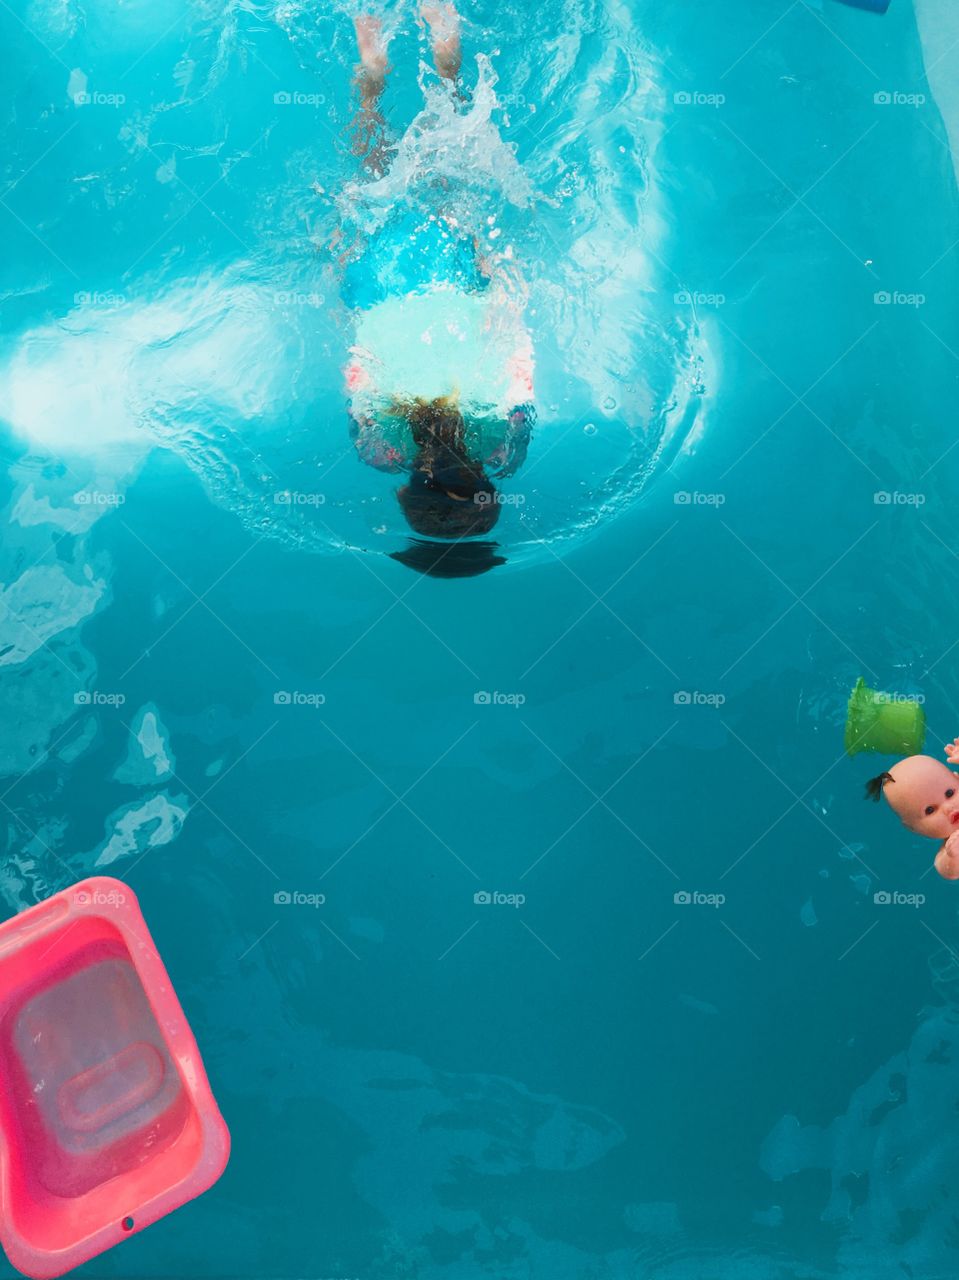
{"points": [[950, 793], [930, 808]]}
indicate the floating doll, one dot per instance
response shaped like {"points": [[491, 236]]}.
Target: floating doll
{"points": [[925, 795], [920, 789]]}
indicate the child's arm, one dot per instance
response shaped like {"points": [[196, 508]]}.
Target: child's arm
{"points": [[512, 453], [947, 859], [372, 448]]}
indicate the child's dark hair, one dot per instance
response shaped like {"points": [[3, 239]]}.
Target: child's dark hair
{"points": [[432, 512], [449, 494], [875, 785], [437, 421]]}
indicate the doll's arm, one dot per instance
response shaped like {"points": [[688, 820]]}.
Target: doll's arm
{"points": [[952, 751], [947, 859]]}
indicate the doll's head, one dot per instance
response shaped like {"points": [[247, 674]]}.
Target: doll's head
{"points": [[923, 792]]}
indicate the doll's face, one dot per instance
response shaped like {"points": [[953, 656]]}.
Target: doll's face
{"points": [[925, 795]]}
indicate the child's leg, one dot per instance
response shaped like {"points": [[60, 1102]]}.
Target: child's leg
{"points": [[369, 142], [373, 64], [444, 24]]}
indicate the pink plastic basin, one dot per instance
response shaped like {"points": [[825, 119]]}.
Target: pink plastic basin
{"points": [[107, 1122]]}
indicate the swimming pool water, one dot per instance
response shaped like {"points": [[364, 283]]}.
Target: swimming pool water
{"points": [[646, 700]]}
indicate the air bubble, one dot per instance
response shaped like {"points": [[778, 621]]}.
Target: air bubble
{"points": [[589, 429]]}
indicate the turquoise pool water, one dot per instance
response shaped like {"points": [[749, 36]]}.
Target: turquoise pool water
{"points": [[735, 504]]}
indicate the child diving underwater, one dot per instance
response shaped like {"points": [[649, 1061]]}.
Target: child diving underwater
{"points": [[440, 375]]}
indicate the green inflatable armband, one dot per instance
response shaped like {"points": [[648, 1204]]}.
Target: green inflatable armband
{"points": [[883, 722]]}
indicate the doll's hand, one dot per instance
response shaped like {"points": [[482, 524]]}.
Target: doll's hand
{"points": [[952, 751], [947, 859]]}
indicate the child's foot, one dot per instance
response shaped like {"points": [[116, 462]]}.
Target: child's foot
{"points": [[444, 24]]}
